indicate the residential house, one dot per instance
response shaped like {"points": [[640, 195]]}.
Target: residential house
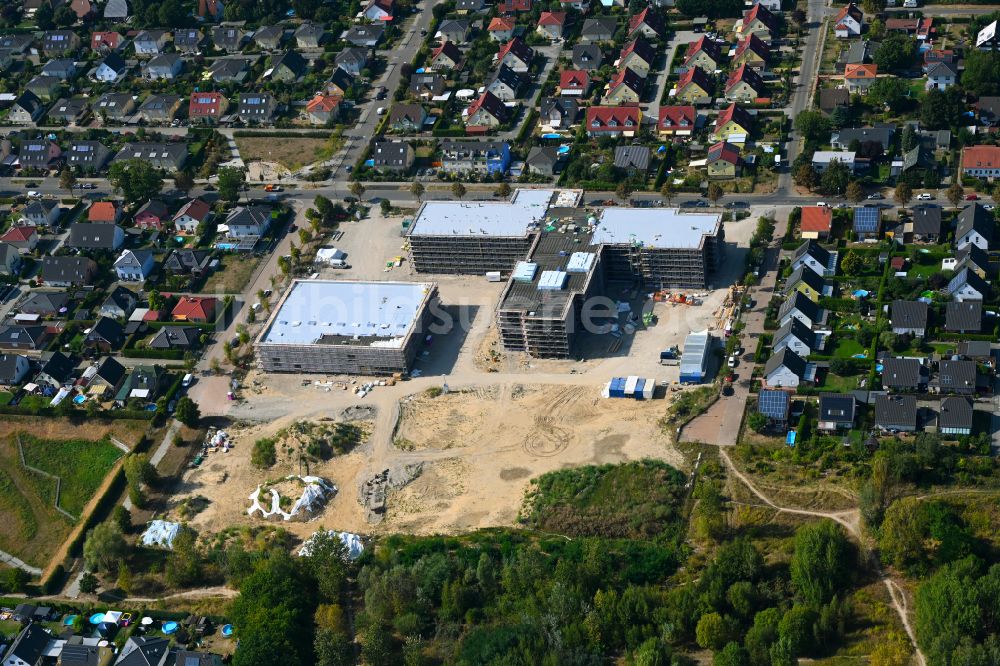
{"points": [[574, 82], [111, 68], [586, 57], [57, 371], [45, 303], [677, 121], [981, 162], [392, 156], [988, 109], [880, 136], [775, 404], [487, 110], [160, 109], [185, 261], [849, 22], [26, 109], [975, 226], [859, 78], [634, 160], [10, 260], [61, 68], [785, 369], [807, 282], [693, 86], [867, 223], [471, 6], [427, 85], [257, 108], [612, 120], [908, 318], [68, 271], [896, 413], [407, 118], [288, 67], [453, 30], [704, 53], [647, 23], [956, 416], [723, 160], [87, 156], [446, 56], [542, 160], [30, 338], [87, 236], [352, 60], [599, 29], [822, 159], [752, 52], [150, 42], [207, 107], [816, 222], [941, 76], [311, 36], [831, 99], [45, 87], [837, 411], [744, 85], [152, 215], [948, 56], [119, 304], [195, 309], [144, 651], [228, 38], [368, 36], [23, 239], [110, 373], [815, 257], [903, 374], [516, 54], [639, 56], [165, 66], [44, 213], [799, 306], [248, 223], [505, 84], [323, 109], [29, 647], [230, 70], [17, 44], [134, 265], [963, 316], [955, 377], [968, 286], [104, 212], [117, 107], [514, 6], [379, 10], [189, 40], [757, 21], [501, 28], [183, 338], [558, 112], [60, 42], [926, 225], [459, 157], [551, 24], [39, 154], [340, 84], [921, 28], [625, 87], [269, 38], [796, 336], [116, 11], [734, 124]]}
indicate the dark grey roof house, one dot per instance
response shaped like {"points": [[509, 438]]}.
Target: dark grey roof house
{"points": [[800, 307], [926, 223], [634, 159], [68, 271], [144, 652], [587, 57], [908, 317], [228, 38], [176, 337], [165, 156], [269, 37], [365, 35], [542, 160], [837, 411], [906, 374], [957, 377], [392, 155], [57, 370], [955, 417], [95, 236], [843, 138], [896, 412], [189, 40], [29, 646], [963, 317], [976, 226], [87, 155]]}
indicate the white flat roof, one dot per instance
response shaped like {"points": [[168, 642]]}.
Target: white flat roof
{"points": [[314, 308], [655, 227], [483, 218]]}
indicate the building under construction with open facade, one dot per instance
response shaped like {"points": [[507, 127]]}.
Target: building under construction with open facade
{"points": [[346, 327]]}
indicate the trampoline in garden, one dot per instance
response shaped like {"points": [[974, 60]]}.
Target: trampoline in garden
{"points": [[227, 630], [97, 618], [169, 627]]}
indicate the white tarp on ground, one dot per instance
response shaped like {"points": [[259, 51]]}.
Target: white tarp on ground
{"points": [[313, 497], [352, 542], [160, 533], [329, 254]]}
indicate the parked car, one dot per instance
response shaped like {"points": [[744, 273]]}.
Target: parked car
{"points": [[972, 197], [875, 197], [924, 196]]}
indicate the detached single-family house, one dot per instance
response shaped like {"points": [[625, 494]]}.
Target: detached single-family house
{"points": [[908, 318], [269, 37], [60, 42], [794, 335], [110, 373], [119, 304], [160, 109], [339, 84], [248, 223], [352, 60], [971, 257], [704, 53], [230, 70], [611, 120], [634, 160], [135, 265], [426, 85], [849, 22], [574, 82], [693, 86], [516, 54], [981, 162], [968, 286], [837, 411], [152, 215], [639, 56], [676, 120], [310, 36], [822, 159], [775, 404], [446, 56], [816, 222], [45, 87], [13, 369], [785, 369], [29, 648], [798, 306], [963, 317], [112, 68], [45, 303], [552, 24], [723, 160], [257, 108], [368, 36], [44, 213], [955, 376], [195, 309], [379, 10], [752, 52], [558, 112], [26, 109], [104, 212], [859, 77], [956, 416], [734, 124], [881, 136], [185, 261], [542, 160], [189, 40], [116, 107], [453, 30], [56, 371], [501, 28], [744, 85], [87, 236], [61, 68], [407, 118], [10, 260], [227, 38], [23, 238], [807, 282], [150, 42], [941, 76], [903, 374], [506, 84], [647, 23], [815, 257], [599, 29], [867, 223], [68, 271], [207, 107], [975, 226], [757, 21], [103, 42], [625, 87], [896, 413], [287, 67], [184, 338], [487, 110], [87, 156], [323, 109], [926, 225], [395, 156]]}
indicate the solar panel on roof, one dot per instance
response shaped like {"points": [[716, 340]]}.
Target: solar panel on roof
{"points": [[866, 219], [772, 403]]}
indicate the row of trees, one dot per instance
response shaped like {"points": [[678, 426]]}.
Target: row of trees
{"points": [[137, 180]]}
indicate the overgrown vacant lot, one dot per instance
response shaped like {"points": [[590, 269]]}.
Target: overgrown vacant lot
{"points": [[290, 152], [32, 529]]}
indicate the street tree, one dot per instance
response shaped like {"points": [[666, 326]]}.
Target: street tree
{"points": [[714, 193], [231, 180], [458, 190], [183, 181], [67, 180], [135, 179], [187, 412], [357, 189], [855, 193], [806, 176], [903, 194], [667, 191], [417, 189], [835, 178], [955, 193]]}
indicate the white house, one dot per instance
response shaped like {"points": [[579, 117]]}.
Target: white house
{"points": [[795, 336], [134, 265], [848, 22], [818, 259], [822, 159], [941, 76], [110, 69], [784, 369]]}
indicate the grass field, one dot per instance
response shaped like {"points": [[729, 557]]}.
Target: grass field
{"points": [[32, 529], [290, 152], [845, 348], [231, 276]]}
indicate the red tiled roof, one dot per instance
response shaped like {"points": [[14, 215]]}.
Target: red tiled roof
{"points": [[194, 307], [816, 218], [677, 116], [851, 9], [981, 157], [325, 103], [102, 211], [574, 79], [552, 18], [736, 114], [108, 39], [196, 209], [501, 24], [724, 151], [697, 76], [19, 234], [746, 75], [508, 6], [860, 71], [206, 104], [612, 118]]}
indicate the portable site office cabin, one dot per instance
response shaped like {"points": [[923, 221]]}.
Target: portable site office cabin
{"points": [[638, 388], [694, 361]]}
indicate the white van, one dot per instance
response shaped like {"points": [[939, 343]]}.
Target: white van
{"points": [[188, 380]]}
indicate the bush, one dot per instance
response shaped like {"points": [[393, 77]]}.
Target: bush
{"points": [[264, 454]]}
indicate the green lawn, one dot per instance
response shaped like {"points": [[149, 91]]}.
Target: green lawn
{"points": [[923, 271], [838, 384], [845, 347], [81, 464], [5, 397]]}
